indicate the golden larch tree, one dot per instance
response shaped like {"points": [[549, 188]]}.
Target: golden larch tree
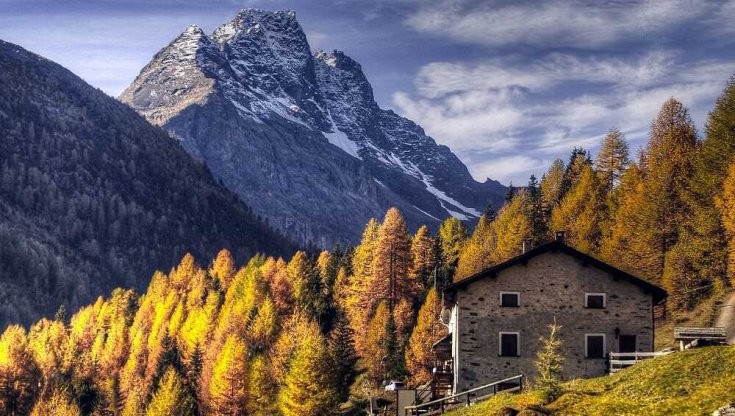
{"points": [[428, 330], [228, 389]]}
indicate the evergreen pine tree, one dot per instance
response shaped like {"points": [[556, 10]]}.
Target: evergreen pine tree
{"points": [[343, 356], [705, 241], [549, 364], [510, 194], [578, 160], [536, 211]]}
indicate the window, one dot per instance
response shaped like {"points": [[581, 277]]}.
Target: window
{"points": [[595, 300], [509, 344], [510, 299], [594, 345]]}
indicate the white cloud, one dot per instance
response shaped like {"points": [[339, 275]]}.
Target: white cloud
{"points": [[464, 121], [518, 116], [560, 23], [506, 169], [442, 78]]}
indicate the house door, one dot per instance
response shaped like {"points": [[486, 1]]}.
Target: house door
{"points": [[627, 343]]}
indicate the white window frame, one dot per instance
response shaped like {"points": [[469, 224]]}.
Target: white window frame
{"points": [[500, 343], [587, 296], [586, 345], [500, 299]]}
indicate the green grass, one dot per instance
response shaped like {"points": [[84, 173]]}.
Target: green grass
{"points": [[693, 382]]}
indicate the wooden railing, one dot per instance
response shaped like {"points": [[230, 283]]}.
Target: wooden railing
{"points": [[621, 360], [466, 398]]}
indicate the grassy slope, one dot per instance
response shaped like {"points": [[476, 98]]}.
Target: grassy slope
{"points": [[694, 382]]}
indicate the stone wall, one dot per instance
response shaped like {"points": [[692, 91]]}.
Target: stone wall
{"points": [[551, 285]]}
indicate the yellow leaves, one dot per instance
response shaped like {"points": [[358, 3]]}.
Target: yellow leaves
{"points": [[726, 203], [13, 338], [497, 241], [171, 397], [583, 213], [59, 404], [374, 345], [19, 373], [419, 356], [47, 341], [298, 271], [228, 385], [262, 388], [295, 330], [199, 323], [223, 269], [265, 324], [308, 388]]}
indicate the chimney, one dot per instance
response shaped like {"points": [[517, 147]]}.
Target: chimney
{"points": [[560, 236], [527, 245]]}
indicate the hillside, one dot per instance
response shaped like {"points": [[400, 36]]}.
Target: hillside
{"points": [[93, 197], [299, 135], [692, 382]]}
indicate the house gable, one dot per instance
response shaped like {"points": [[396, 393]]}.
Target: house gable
{"points": [[658, 294]]}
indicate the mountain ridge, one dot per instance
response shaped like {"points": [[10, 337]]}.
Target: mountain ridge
{"points": [[253, 93], [93, 197]]}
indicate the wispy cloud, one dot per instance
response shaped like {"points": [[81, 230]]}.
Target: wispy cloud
{"points": [[561, 23], [506, 120]]}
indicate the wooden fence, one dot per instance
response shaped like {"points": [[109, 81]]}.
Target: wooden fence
{"points": [[621, 360], [466, 398]]}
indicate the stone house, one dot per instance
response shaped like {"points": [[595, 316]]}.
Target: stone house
{"points": [[497, 316]]}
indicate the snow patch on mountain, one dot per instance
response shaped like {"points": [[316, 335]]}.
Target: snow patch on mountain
{"points": [[445, 199], [340, 139]]}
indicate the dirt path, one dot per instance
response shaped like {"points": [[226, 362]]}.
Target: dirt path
{"points": [[726, 318]]}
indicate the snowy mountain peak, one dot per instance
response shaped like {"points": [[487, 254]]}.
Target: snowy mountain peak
{"points": [[250, 21], [193, 30], [299, 136]]}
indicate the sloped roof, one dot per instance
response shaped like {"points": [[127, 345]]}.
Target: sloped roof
{"points": [[658, 293]]}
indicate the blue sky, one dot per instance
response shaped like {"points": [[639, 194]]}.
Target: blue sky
{"points": [[508, 85]]}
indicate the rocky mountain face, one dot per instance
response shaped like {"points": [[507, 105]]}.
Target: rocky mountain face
{"points": [[298, 135], [94, 197]]}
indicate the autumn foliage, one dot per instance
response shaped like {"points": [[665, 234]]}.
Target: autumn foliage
{"points": [[320, 331]]}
